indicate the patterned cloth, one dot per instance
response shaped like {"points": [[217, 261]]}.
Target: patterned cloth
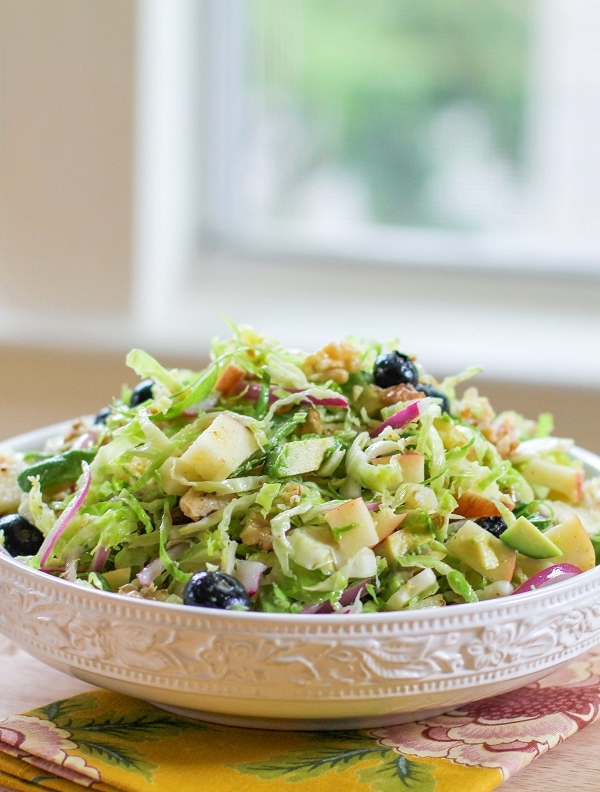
{"points": [[108, 742]]}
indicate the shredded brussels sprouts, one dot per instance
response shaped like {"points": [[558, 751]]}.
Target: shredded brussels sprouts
{"points": [[313, 482]]}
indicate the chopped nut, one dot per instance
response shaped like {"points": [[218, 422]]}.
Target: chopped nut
{"points": [[313, 423], [335, 361], [505, 435], [501, 430], [150, 592], [196, 505], [257, 532], [290, 494], [399, 393]]}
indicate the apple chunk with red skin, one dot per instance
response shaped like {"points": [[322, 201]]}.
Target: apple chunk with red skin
{"points": [[572, 539], [562, 479], [352, 525], [473, 505], [411, 464], [386, 521]]}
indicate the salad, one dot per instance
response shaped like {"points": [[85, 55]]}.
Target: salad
{"points": [[347, 480]]}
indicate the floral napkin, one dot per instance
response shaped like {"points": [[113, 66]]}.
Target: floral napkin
{"points": [[106, 741]]}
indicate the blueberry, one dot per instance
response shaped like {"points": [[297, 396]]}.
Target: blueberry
{"points": [[21, 538], [394, 369], [102, 415], [495, 525], [141, 393], [429, 390], [215, 590]]}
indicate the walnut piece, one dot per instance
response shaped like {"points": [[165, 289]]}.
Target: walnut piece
{"points": [[196, 505], [335, 361], [313, 423], [399, 393], [501, 430], [257, 532]]}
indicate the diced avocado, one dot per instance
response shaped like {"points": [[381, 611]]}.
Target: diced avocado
{"points": [[298, 456], [524, 537], [117, 578], [402, 542]]}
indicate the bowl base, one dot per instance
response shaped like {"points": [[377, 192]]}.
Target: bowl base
{"points": [[305, 724]]}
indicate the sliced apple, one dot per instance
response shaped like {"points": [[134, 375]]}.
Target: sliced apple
{"points": [[229, 378], [352, 526], [386, 521], [562, 479], [572, 539], [412, 466], [394, 546], [218, 451], [483, 552], [473, 505]]}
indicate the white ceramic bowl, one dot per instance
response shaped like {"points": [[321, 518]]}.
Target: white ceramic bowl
{"points": [[301, 671]]}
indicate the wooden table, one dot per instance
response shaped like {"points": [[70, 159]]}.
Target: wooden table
{"points": [[28, 683]]}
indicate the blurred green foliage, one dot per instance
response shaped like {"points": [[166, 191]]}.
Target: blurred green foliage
{"points": [[368, 77]]}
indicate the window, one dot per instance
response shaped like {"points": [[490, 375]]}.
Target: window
{"points": [[411, 132]]}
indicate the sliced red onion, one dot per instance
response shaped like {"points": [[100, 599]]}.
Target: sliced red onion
{"points": [[204, 406], [548, 576], [348, 596], [85, 440], [318, 608], [403, 417], [150, 572], [252, 392], [325, 401], [70, 572], [249, 574], [99, 560], [65, 518]]}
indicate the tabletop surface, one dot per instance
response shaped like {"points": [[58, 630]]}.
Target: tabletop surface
{"points": [[28, 683]]}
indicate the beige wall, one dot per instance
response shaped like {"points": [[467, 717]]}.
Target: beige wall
{"points": [[40, 387], [66, 139]]}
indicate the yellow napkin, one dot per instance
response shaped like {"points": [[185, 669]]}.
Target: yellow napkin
{"points": [[109, 742]]}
